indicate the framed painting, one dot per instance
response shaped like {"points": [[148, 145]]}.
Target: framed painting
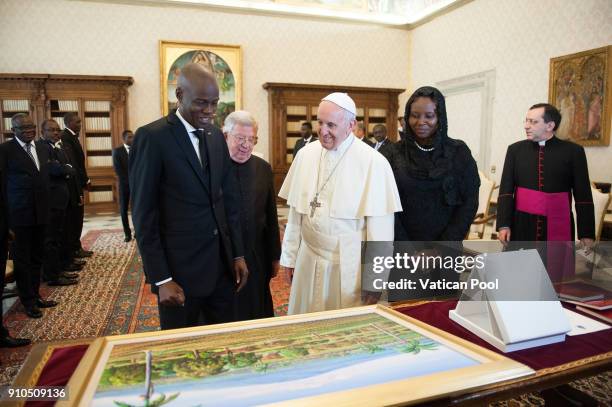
{"points": [[579, 86], [358, 356], [223, 61]]}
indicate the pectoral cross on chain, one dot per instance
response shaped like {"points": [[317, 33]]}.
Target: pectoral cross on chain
{"points": [[314, 204]]}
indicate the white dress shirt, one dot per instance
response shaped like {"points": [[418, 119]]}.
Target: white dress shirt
{"points": [[32, 150]]}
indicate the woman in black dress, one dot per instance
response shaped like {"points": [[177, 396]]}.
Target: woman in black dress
{"points": [[436, 176]]}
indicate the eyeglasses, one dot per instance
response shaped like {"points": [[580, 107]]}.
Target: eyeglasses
{"points": [[246, 140]]}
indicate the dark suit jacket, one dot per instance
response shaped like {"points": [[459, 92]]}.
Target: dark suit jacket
{"points": [[368, 142], [79, 156], [3, 221], [384, 147], [26, 188], [120, 164], [59, 175], [301, 143], [75, 188], [187, 228]]}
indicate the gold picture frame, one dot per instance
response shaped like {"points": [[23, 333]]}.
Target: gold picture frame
{"points": [[224, 61], [580, 87], [362, 354]]}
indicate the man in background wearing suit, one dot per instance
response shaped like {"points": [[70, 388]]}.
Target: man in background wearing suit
{"points": [[382, 141], [360, 133], [307, 137], [185, 208], [70, 137], [120, 164], [25, 175], [6, 340], [59, 196]]}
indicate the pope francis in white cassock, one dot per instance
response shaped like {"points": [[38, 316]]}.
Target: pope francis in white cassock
{"points": [[340, 192]]}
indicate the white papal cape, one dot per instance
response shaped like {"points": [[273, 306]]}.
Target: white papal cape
{"points": [[357, 204]]}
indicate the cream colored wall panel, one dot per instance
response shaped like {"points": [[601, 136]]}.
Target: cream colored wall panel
{"points": [[517, 38], [122, 39]]}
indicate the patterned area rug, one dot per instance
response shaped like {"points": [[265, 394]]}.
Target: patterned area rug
{"points": [[84, 310], [110, 299]]}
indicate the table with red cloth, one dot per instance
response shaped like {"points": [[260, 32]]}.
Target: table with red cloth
{"points": [[578, 357]]}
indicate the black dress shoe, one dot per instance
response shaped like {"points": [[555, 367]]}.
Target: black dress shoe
{"points": [[127, 239], [33, 311], [40, 303], [73, 267], [83, 253], [63, 281], [67, 274], [10, 342], [79, 262]]}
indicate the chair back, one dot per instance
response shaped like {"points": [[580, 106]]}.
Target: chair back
{"points": [[484, 202], [601, 201]]}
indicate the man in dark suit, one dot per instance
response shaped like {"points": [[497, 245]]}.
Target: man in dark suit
{"points": [[360, 133], [70, 137], [382, 141], [307, 137], [185, 208], [120, 163], [25, 174], [6, 340], [71, 231], [59, 174]]}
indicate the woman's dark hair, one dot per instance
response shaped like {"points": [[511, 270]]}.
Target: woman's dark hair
{"points": [[438, 99]]}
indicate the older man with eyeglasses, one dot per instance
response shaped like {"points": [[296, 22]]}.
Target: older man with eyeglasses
{"points": [[257, 214]]}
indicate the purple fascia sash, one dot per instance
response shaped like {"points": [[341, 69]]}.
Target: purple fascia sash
{"points": [[556, 207]]}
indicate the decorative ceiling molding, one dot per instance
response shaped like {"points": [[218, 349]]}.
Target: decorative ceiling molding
{"points": [[405, 14]]}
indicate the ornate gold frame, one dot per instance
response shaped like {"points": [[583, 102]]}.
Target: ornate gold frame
{"points": [[169, 51], [574, 90], [491, 368]]}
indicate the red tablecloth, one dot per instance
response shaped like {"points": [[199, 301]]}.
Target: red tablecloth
{"points": [[64, 360], [574, 348], [58, 369]]}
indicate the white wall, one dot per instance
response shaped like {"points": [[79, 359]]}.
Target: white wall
{"points": [[96, 38], [516, 38]]}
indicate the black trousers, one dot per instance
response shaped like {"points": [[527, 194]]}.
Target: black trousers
{"points": [[79, 217], [53, 244], [124, 203], [3, 255], [27, 249], [70, 233], [214, 309]]}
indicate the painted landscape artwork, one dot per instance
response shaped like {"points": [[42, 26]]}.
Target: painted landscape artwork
{"points": [[271, 364]]}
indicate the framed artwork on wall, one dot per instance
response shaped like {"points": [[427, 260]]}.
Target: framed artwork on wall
{"points": [[371, 354], [580, 87], [223, 61]]}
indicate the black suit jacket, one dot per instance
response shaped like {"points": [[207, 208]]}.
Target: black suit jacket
{"points": [[78, 155], [368, 142], [301, 143], [386, 144], [3, 221], [75, 188], [26, 188], [59, 175], [120, 164], [187, 228]]}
